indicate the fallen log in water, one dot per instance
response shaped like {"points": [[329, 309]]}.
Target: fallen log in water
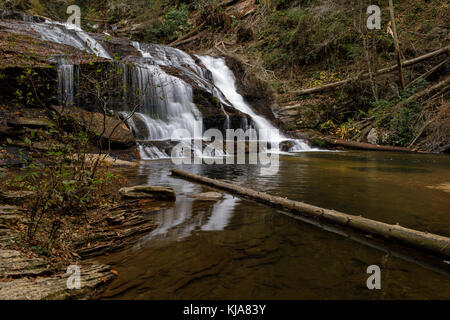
{"points": [[436, 244], [330, 142]]}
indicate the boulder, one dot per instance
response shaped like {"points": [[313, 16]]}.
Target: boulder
{"points": [[372, 136], [286, 145], [148, 192], [209, 196]]}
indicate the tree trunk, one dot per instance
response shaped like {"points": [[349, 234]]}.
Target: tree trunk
{"points": [[378, 72], [434, 243], [363, 145], [397, 46]]}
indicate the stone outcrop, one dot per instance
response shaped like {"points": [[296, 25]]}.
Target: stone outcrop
{"points": [[119, 227], [106, 160], [35, 123], [209, 196], [148, 192], [256, 92], [14, 264], [14, 197], [101, 128], [55, 287]]}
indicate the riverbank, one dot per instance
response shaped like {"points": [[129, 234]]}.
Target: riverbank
{"points": [[31, 272], [60, 205]]}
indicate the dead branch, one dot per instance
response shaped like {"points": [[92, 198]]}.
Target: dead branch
{"points": [[379, 72]]}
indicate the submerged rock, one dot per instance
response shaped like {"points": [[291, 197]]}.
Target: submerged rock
{"points": [[148, 192], [209, 196]]}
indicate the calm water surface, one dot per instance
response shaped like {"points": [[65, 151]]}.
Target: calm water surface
{"points": [[238, 249]]}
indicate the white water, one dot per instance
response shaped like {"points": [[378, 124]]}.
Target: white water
{"points": [[151, 153], [224, 79], [71, 35], [65, 82], [165, 101]]}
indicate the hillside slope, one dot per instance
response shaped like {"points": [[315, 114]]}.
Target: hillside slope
{"points": [[294, 45]]}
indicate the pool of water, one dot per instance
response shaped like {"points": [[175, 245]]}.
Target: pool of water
{"points": [[239, 249]]}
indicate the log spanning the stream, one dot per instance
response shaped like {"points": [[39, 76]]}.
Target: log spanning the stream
{"points": [[436, 244]]}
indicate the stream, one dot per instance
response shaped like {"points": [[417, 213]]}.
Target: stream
{"points": [[238, 249]]}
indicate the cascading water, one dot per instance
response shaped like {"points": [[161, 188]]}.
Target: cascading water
{"points": [[65, 82], [224, 79], [70, 35], [165, 101]]}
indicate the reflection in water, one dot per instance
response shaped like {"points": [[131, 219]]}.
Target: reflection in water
{"points": [[251, 251], [178, 222], [172, 223], [221, 214]]}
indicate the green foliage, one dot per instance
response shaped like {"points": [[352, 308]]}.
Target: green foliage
{"points": [[170, 26], [30, 87], [297, 37], [399, 121], [401, 124], [63, 184], [328, 126]]}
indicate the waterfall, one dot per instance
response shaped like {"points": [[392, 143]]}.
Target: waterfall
{"points": [[65, 82], [165, 79], [151, 153], [224, 79], [165, 103], [174, 58], [71, 35]]}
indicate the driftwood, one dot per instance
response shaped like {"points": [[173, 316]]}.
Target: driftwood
{"points": [[436, 244], [362, 145], [378, 72], [186, 41]]}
